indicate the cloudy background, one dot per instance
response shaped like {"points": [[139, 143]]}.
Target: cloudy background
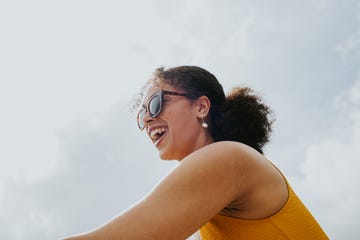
{"points": [[71, 156]]}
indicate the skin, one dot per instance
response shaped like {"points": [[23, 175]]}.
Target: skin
{"points": [[210, 177], [182, 114]]}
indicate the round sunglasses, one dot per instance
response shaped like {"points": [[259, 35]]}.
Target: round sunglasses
{"points": [[154, 106]]}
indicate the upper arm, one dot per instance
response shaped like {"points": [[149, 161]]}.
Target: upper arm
{"points": [[201, 186]]}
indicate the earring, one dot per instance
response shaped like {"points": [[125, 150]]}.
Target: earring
{"points": [[204, 124]]}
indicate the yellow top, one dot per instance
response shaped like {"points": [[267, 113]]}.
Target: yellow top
{"points": [[293, 221]]}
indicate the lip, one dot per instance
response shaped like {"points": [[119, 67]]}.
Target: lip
{"points": [[158, 141]]}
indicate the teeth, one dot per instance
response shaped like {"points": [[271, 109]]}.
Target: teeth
{"points": [[156, 131]]}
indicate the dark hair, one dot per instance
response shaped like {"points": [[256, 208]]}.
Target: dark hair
{"points": [[241, 116]]}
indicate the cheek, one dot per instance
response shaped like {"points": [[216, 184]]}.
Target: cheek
{"points": [[183, 126], [180, 119]]}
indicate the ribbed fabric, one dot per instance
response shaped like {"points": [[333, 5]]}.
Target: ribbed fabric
{"points": [[293, 221]]}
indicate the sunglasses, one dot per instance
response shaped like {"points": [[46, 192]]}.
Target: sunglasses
{"points": [[155, 106]]}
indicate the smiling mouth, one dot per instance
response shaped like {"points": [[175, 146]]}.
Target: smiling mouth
{"points": [[156, 134]]}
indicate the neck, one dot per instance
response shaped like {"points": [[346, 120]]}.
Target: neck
{"points": [[204, 139]]}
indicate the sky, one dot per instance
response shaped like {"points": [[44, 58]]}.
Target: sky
{"points": [[71, 156]]}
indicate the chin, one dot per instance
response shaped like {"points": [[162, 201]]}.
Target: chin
{"points": [[168, 157]]}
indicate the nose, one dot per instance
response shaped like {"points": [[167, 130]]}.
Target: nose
{"points": [[147, 118]]}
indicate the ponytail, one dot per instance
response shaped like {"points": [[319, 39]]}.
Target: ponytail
{"points": [[243, 117]]}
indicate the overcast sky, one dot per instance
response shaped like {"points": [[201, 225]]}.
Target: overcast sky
{"points": [[71, 156]]}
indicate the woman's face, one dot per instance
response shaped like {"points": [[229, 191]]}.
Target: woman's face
{"points": [[175, 131]]}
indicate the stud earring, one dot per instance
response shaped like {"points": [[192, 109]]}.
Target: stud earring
{"points": [[204, 124]]}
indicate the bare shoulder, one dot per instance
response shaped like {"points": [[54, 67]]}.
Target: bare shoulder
{"points": [[211, 175], [225, 154], [224, 160], [226, 165], [244, 171], [229, 145]]}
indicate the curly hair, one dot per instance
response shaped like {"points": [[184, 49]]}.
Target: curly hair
{"points": [[244, 118], [240, 116]]}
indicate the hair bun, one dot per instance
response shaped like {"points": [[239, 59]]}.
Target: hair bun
{"points": [[244, 118]]}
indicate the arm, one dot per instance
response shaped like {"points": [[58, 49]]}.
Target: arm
{"points": [[203, 184]]}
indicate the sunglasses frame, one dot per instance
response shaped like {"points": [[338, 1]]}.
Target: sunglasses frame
{"points": [[159, 94]]}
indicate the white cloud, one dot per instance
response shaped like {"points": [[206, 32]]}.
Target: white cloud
{"points": [[104, 165], [331, 173], [66, 147]]}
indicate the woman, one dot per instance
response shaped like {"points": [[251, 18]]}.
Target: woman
{"points": [[224, 187]]}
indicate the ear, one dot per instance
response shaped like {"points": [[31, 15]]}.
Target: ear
{"points": [[202, 106]]}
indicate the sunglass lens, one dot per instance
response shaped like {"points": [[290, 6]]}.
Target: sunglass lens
{"points": [[155, 106], [140, 119]]}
